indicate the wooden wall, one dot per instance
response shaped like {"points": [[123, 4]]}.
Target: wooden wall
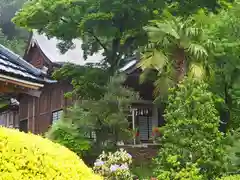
{"points": [[38, 111], [9, 118]]}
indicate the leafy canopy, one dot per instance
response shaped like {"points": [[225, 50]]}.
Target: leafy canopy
{"points": [[88, 82], [176, 47], [115, 27], [225, 80]]}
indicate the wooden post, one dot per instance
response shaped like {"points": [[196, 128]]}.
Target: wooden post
{"points": [[133, 125], [33, 115]]}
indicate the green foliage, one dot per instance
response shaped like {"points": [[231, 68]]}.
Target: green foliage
{"points": [[192, 118], [225, 83], [114, 166], [16, 45], [69, 136], [88, 82], [88, 20], [176, 47], [190, 172], [106, 117], [186, 8], [69, 19], [233, 153], [30, 157], [233, 177]]}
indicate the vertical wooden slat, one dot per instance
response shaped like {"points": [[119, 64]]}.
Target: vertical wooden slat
{"points": [[33, 114]]}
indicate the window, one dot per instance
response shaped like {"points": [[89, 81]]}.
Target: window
{"points": [[91, 135], [56, 115], [23, 125]]}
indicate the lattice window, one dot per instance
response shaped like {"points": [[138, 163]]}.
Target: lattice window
{"points": [[56, 115], [91, 135]]}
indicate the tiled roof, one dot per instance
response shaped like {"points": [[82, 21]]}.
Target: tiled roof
{"points": [[14, 66]]}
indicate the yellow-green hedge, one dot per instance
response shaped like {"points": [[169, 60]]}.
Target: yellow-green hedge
{"points": [[30, 157], [234, 177]]}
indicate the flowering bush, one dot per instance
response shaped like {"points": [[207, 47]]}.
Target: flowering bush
{"points": [[31, 157], [114, 165]]}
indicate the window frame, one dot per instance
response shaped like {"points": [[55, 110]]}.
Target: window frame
{"points": [[58, 116]]}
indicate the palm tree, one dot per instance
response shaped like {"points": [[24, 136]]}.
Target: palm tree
{"points": [[177, 47]]}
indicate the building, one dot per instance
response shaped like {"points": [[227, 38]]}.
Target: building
{"points": [[40, 112], [17, 78]]}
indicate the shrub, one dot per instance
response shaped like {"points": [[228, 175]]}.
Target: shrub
{"points": [[233, 177], [233, 152], [30, 157], [190, 172], [191, 132], [114, 166], [68, 135]]}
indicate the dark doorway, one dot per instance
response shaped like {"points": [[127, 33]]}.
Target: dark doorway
{"points": [[23, 125]]}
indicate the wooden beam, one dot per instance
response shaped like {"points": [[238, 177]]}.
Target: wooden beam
{"points": [[10, 88], [20, 82]]}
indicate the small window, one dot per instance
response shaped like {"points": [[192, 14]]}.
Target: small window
{"points": [[91, 135], [56, 115]]}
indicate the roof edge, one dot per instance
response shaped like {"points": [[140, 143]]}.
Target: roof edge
{"points": [[19, 60], [23, 83]]}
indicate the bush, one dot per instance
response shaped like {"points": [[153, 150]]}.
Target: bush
{"points": [[190, 172], [234, 177], [114, 166], [191, 132], [68, 135], [30, 157]]}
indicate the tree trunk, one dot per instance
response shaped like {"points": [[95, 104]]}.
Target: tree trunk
{"points": [[180, 64]]}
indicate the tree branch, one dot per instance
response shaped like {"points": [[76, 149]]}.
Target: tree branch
{"points": [[98, 40], [90, 32]]}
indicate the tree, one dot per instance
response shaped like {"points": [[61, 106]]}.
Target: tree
{"points": [[88, 82], [225, 82], [16, 45], [107, 117], [101, 113], [7, 12], [191, 136], [115, 27], [176, 47]]}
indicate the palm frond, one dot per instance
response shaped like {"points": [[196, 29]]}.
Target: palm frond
{"points": [[154, 34], [153, 60], [197, 50], [166, 28], [162, 84], [196, 70], [193, 31]]}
